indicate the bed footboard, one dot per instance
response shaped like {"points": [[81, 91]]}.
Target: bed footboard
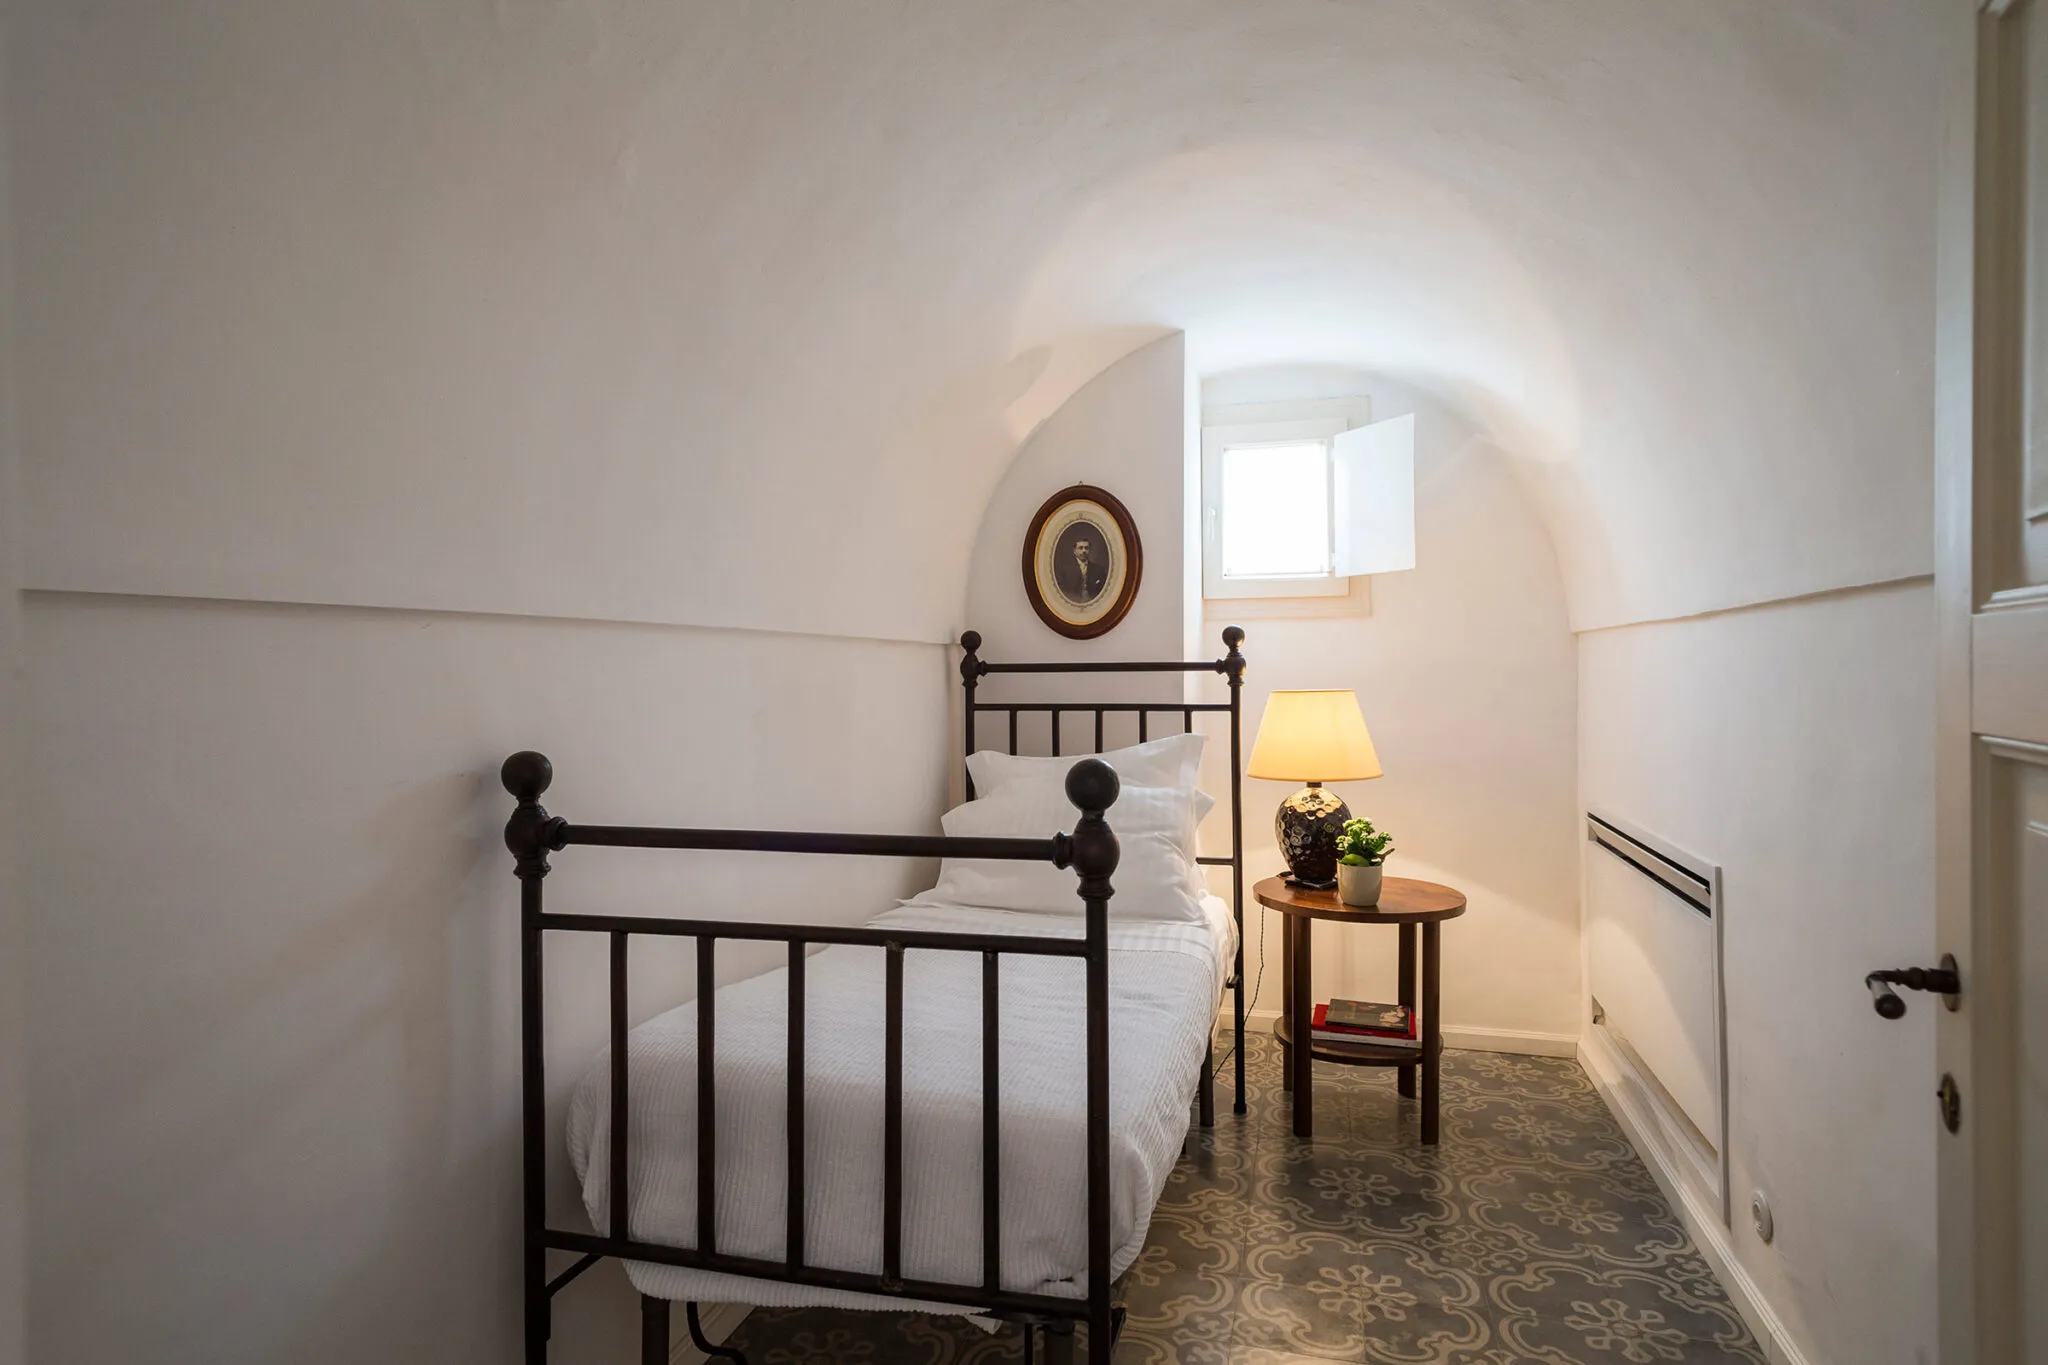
{"points": [[1091, 851]]}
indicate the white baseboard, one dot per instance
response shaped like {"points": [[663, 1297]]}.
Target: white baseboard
{"points": [[1700, 1213], [1524, 1041], [720, 1321]]}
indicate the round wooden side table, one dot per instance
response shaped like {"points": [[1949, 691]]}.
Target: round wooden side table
{"points": [[1403, 902]]}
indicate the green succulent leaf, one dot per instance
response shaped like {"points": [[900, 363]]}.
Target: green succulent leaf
{"points": [[1363, 844]]}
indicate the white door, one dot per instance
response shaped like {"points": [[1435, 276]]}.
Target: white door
{"points": [[1991, 470]]}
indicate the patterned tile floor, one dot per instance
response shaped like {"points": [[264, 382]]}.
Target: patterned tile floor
{"points": [[1531, 1234]]}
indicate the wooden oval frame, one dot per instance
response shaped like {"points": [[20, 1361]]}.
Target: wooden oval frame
{"points": [[1133, 574]]}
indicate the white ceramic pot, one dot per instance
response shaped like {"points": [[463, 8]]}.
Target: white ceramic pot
{"points": [[1357, 884]]}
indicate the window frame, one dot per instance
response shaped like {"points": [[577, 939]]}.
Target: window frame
{"points": [[1256, 424]]}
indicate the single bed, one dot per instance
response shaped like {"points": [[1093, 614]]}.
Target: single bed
{"points": [[1166, 984], [957, 1106]]}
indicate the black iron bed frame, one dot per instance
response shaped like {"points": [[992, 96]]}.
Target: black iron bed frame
{"points": [[531, 834]]}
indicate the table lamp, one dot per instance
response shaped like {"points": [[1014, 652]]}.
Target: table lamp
{"points": [[1313, 737]]}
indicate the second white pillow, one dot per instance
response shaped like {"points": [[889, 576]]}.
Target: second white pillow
{"points": [[1153, 825], [1169, 761]]}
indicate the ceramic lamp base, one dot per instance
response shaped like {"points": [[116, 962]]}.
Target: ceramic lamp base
{"points": [[1307, 827]]}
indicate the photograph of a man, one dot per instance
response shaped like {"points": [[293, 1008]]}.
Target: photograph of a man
{"points": [[1080, 562]]}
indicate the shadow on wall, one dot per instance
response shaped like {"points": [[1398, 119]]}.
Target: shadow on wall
{"points": [[274, 965], [1522, 304], [1265, 251], [401, 980], [1125, 431], [449, 940]]}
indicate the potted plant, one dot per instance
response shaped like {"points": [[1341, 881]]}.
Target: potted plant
{"points": [[1361, 850]]}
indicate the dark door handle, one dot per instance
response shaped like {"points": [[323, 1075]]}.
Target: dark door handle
{"points": [[1944, 981]]}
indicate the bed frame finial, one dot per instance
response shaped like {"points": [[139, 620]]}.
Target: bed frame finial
{"points": [[1092, 786], [526, 775], [1233, 636], [531, 832]]}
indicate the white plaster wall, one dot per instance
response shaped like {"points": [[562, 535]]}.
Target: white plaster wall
{"points": [[1792, 745], [587, 308], [1466, 672], [273, 948], [1124, 431]]}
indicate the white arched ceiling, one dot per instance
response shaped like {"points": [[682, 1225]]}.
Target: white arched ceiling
{"points": [[734, 314]]}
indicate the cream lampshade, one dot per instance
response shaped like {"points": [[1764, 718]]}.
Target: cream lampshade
{"points": [[1313, 737]]}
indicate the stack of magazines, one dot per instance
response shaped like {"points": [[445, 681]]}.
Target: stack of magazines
{"points": [[1364, 1021]]}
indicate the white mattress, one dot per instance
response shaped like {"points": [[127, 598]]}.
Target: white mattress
{"points": [[1166, 982]]}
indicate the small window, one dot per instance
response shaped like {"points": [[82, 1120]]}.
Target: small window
{"points": [[1279, 501], [1300, 498]]}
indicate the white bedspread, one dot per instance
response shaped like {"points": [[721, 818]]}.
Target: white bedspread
{"points": [[1166, 982]]}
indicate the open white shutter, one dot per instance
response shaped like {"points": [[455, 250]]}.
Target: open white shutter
{"points": [[1373, 497]]}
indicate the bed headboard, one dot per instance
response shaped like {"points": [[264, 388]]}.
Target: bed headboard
{"points": [[973, 668]]}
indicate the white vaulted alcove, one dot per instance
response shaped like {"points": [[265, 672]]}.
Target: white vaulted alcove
{"points": [[665, 386]]}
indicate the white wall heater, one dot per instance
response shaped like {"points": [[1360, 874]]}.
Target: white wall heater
{"points": [[1654, 970]]}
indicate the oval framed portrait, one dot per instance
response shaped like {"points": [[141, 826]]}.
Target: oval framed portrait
{"points": [[1082, 562]]}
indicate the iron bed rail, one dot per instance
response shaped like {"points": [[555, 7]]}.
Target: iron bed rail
{"points": [[1091, 850]]}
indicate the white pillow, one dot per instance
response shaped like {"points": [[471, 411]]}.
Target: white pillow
{"points": [[1173, 758], [1153, 826], [1169, 761], [1198, 880]]}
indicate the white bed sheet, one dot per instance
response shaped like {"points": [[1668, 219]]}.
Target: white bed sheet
{"points": [[1166, 983]]}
